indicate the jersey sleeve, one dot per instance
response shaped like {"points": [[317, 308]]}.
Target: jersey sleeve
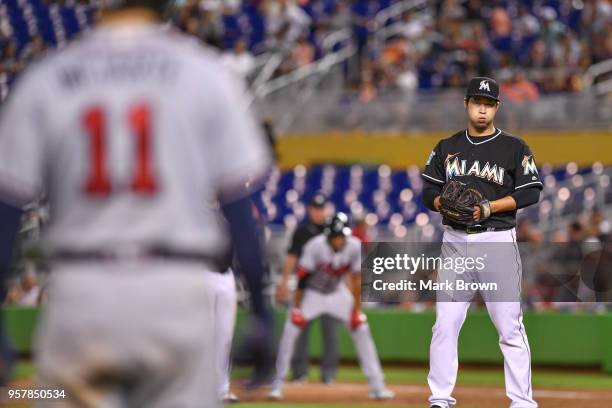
{"points": [[238, 153], [21, 144], [434, 167], [526, 171]]}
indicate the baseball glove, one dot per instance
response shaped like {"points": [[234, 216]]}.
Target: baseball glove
{"points": [[458, 202]]}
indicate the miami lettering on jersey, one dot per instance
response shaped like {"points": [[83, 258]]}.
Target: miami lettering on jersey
{"points": [[455, 167]]}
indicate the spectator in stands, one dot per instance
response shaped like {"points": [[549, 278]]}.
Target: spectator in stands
{"points": [[286, 14], [451, 10], [519, 89], [501, 30], [407, 79], [474, 10], [602, 44], [302, 53], [341, 17], [538, 57], [411, 27], [367, 89], [363, 13], [526, 24], [35, 49], [10, 58], [210, 29], [597, 226], [565, 53], [527, 232], [551, 28], [239, 61]]}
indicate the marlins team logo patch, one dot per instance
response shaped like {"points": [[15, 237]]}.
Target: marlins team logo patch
{"points": [[484, 86], [529, 166], [449, 157]]}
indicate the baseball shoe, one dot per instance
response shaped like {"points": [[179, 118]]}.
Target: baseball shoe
{"points": [[275, 394], [230, 398], [435, 406], [382, 394], [328, 381]]}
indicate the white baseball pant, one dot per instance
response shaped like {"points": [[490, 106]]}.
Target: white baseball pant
{"points": [[128, 334], [506, 316], [338, 304], [225, 297]]}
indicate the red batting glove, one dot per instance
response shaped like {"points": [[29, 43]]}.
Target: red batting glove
{"points": [[297, 318], [357, 318]]}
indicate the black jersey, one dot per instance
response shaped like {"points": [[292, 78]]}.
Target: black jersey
{"points": [[498, 165], [303, 233]]}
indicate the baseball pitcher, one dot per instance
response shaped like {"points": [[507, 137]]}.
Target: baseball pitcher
{"points": [[477, 179]]}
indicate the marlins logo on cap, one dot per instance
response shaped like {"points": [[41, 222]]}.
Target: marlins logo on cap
{"points": [[483, 86]]}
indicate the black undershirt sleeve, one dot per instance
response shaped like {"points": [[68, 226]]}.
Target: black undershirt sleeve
{"points": [[526, 196], [430, 192], [303, 282]]}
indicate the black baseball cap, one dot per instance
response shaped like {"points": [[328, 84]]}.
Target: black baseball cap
{"points": [[318, 200], [483, 86]]}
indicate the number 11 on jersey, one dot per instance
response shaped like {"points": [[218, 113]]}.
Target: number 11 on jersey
{"points": [[98, 182]]}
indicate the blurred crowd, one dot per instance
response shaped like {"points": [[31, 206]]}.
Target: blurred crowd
{"points": [[573, 263], [533, 47]]}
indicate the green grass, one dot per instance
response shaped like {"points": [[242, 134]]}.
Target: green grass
{"points": [[542, 378], [23, 370]]}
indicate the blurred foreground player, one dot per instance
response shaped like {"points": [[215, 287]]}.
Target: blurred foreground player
{"points": [[327, 260], [501, 168], [129, 131]]}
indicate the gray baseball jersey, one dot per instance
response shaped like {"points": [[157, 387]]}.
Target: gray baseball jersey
{"points": [[326, 266], [132, 132]]}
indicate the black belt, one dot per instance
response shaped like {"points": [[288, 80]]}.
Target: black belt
{"points": [[476, 229], [217, 264]]}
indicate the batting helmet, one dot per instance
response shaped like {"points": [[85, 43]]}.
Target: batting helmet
{"points": [[338, 225]]}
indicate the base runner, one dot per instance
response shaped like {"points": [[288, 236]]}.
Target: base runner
{"points": [[325, 261]]}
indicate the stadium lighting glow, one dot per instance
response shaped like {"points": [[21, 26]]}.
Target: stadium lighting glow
{"points": [[396, 219], [422, 219], [371, 219], [384, 171], [299, 171], [564, 194], [400, 231], [406, 195]]}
